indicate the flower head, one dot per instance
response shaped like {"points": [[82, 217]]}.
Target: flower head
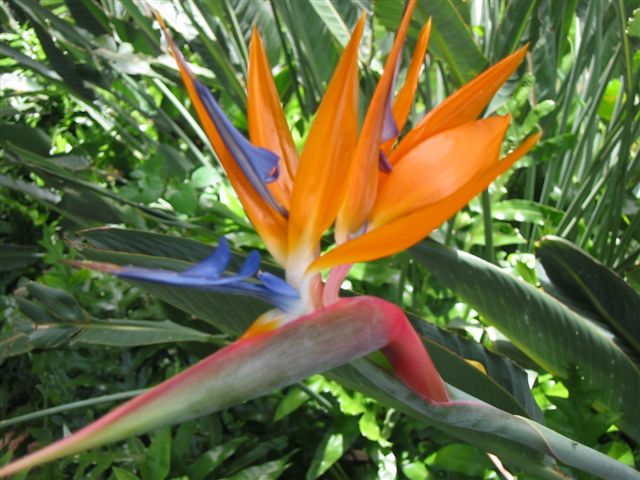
{"points": [[382, 194]]}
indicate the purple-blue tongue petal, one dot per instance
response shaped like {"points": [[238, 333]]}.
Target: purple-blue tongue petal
{"points": [[214, 265], [277, 285], [250, 266], [259, 165], [211, 275]]}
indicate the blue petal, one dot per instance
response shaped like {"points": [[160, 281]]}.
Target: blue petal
{"points": [[260, 166], [277, 285], [214, 265], [210, 275], [251, 265]]}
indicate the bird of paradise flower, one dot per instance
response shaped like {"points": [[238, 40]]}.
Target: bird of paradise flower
{"points": [[381, 194]]}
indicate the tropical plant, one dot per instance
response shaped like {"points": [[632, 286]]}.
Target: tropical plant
{"points": [[604, 375]]}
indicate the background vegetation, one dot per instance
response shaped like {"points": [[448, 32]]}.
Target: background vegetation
{"points": [[97, 130]]}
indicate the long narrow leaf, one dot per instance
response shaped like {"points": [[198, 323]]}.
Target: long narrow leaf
{"points": [[551, 334]]}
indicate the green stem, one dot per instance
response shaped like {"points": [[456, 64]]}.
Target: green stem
{"points": [[71, 406], [489, 252]]}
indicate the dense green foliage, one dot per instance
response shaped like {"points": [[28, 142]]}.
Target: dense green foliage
{"points": [[97, 130]]}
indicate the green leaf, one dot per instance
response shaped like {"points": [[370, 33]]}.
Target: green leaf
{"points": [[332, 19], [335, 442], [267, 471], [184, 199], [552, 335], [157, 459], [509, 32], [633, 27], [13, 257], [57, 301], [212, 459], [452, 40], [30, 189], [72, 162], [292, 400], [27, 137], [464, 459], [504, 385], [584, 279], [609, 99], [62, 63], [138, 241], [89, 17], [133, 333], [121, 474], [15, 343], [521, 210], [484, 426], [22, 59]]}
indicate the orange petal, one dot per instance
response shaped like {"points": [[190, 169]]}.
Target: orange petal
{"points": [[462, 106], [270, 224], [404, 99], [438, 167], [407, 231], [321, 177], [268, 126], [363, 174]]}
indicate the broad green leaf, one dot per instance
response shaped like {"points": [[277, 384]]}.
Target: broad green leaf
{"points": [[88, 16], [80, 189], [582, 278], [309, 38], [508, 33], [122, 474], [133, 333], [215, 51], [141, 260], [504, 385], [25, 136], [63, 64], [30, 189], [13, 344], [57, 301], [212, 459], [327, 11], [116, 333], [46, 17], [22, 59], [13, 257], [157, 460], [138, 241], [292, 400], [460, 458], [633, 27], [484, 426], [267, 471], [335, 442], [521, 210], [72, 162], [58, 319], [551, 334]]}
